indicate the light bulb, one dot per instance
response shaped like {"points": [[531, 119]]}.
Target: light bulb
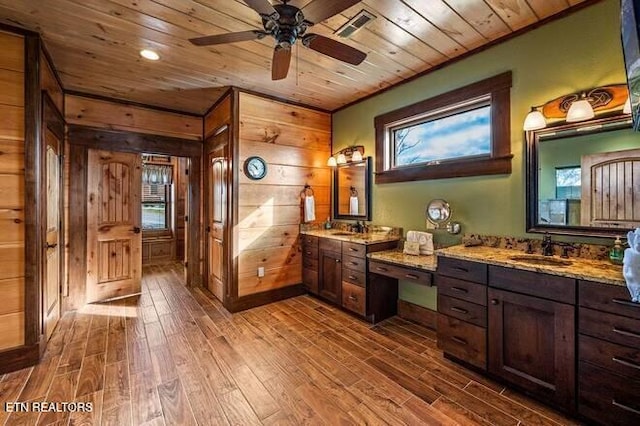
{"points": [[341, 159], [332, 162], [580, 110], [534, 120]]}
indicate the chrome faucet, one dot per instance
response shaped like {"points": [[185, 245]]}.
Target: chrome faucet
{"points": [[547, 245]]}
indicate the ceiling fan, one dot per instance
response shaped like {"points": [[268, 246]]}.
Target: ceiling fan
{"points": [[287, 23]]}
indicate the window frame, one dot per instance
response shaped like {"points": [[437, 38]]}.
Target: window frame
{"points": [[156, 232], [556, 181], [496, 89]]}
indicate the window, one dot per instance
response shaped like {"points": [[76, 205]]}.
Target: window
{"points": [[568, 183], [465, 132], [155, 207]]}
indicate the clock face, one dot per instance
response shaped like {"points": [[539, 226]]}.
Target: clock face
{"points": [[255, 168]]}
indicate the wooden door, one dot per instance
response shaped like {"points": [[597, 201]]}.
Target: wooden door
{"points": [[531, 343], [53, 132], [217, 217], [330, 280], [114, 240]]}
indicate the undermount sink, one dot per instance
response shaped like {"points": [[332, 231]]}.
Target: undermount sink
{"points": [[541, 260], [343, 233]]}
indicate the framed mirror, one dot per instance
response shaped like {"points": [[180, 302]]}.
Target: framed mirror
{"points": [[583, 178], [352, 190]]}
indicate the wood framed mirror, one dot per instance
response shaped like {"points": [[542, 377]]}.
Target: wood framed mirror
{"points": [[352, 190], [583, 178]]}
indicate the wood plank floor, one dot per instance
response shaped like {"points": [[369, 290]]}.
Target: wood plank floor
{"points": [[176, 357]]}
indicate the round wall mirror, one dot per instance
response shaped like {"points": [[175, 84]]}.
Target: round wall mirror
{"points": [[438, 212]]}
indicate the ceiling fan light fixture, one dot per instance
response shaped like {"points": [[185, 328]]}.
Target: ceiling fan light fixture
{"points": [[149, 54]]}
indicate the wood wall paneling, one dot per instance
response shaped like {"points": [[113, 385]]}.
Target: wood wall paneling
{"points": [[12, 191], [295, 142], [111, 115]]}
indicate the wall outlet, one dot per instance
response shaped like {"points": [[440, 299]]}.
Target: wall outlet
{"points": [[261, 272]]}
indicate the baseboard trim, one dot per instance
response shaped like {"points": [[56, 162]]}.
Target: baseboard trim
{"points": [[423, 316], [259, 299], [19, 358]]}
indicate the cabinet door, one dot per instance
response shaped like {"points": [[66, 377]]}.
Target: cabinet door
{"points": [[532, 344], [330, 282]]}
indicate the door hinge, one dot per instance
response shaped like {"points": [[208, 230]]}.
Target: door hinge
{"points": [[208, 229], [186, 218], [186, 264], [186, 172]]}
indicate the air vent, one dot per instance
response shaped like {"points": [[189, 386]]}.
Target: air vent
{"points": [[361, 19]]}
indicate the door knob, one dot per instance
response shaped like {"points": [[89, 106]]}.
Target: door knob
{"points": [[136, 230], [52, 246], [494, 301]]}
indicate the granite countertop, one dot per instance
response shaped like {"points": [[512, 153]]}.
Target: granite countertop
{"points": [[352, 237], [584, 269], [397, 257]]}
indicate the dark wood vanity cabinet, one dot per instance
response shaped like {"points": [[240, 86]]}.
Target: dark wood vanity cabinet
{"points": [[608, 354], [462, 310], [531, 340], [310, 263], [330, 269]]}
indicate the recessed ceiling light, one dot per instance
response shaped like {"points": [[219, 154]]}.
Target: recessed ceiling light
{"points": [[149, 54]]}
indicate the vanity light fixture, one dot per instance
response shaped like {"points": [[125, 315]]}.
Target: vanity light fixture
{"points": [[149, 54], [349, 154], [535, 120], [580, 110], [580, 106]]}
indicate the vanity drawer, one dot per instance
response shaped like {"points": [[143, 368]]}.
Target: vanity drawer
{"points": [[354, 263], [354, 277], [400, 272], [613, 328], [309, 241], [353, 249], [463, 269], [463, 310], [310, 252], [609, 398], [608, 298], [310, 263], [310, 280], [465, 290], [616, 358], [552, 287], [354, 298], [465, 341], [330, 245]]}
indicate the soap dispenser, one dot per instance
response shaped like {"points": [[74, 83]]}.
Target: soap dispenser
{"points": [[327, 224], [616, 254]]}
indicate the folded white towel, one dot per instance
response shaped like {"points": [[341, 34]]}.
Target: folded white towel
{"points": [[424, 239], [353, 205], [309, 208]]}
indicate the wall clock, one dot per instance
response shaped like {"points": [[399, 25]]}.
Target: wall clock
{"points": [[255, 168]]}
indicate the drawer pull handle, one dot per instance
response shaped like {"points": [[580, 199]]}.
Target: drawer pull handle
{"points": [[461, 269], [308, 252], [459, 340], [625, 363], [624, 407], [353, 249], [625, 302], [352, 297], [626, 332], [459, 310], [353, 263], [352, 277], [380, 268], [460, 289], [412, 276], [494, 301]]}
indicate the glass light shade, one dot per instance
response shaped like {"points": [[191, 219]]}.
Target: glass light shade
{"points": [[580, 110], [332, 162], [534, 120], [627, 107], [341, 159], [357, 156]]}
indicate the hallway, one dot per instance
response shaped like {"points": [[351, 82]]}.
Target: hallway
{"points": [[176, 357]]}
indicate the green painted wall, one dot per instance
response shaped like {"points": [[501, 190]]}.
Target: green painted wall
{"points": [[577, 52]]}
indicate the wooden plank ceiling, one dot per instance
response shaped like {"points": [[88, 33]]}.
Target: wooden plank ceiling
{"points": [[95, 45]]}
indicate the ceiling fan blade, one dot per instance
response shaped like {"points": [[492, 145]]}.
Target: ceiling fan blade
{"points": [[280, 64], [333, 48], [227, 38], [319, 10], [263, 7]]}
